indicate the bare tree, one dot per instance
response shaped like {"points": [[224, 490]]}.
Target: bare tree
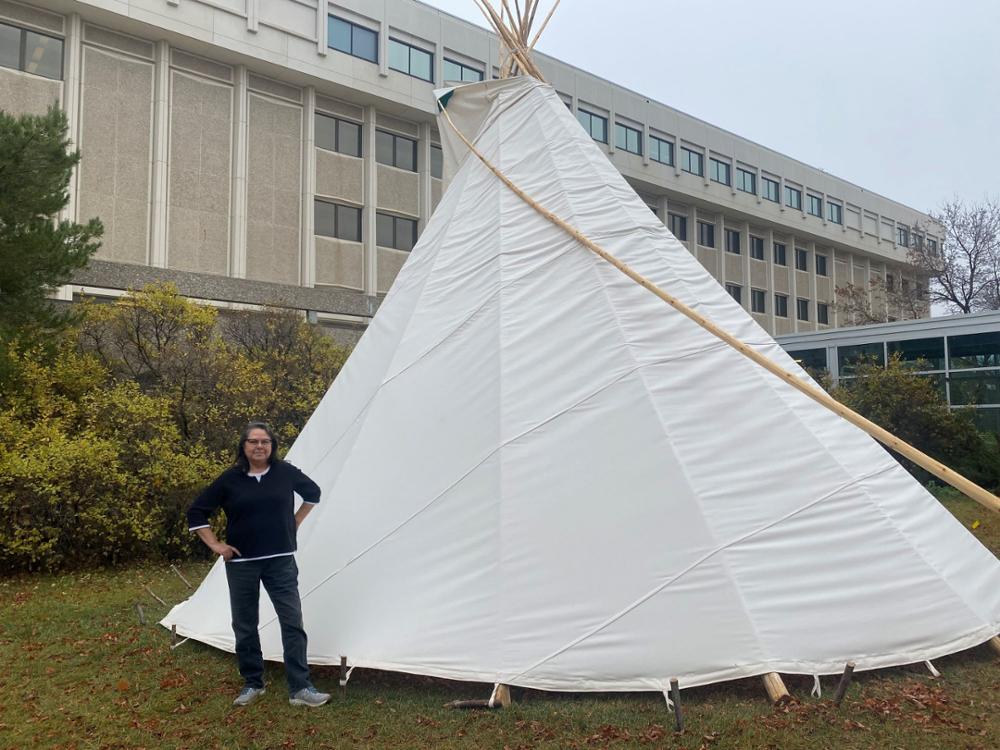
{"points": [[964, 270], [881, 301]]}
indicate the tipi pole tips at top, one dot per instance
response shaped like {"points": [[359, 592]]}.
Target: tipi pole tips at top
{"points": [[513, 27]]}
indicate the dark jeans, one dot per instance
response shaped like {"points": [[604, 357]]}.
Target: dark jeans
{"points": [[280, 576]]}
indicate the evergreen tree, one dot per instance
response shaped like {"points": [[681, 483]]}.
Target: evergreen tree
{"points": [[37, 252]]}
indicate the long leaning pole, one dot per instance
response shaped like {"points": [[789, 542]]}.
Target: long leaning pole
{"points": [[935, 467]]}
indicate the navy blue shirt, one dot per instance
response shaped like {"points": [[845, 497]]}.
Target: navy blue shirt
{"points": [[260, 515]]}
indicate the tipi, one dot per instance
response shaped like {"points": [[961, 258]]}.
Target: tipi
{"points": [[536, 473]]}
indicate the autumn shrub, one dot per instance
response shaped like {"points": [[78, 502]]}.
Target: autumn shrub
{"points": [[108, 433]]}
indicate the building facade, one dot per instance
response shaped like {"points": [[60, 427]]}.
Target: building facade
{"points": [[960, 353], [285, 152]]}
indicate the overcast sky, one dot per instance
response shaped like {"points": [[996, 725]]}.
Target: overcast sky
{"points": [[901, 97]]}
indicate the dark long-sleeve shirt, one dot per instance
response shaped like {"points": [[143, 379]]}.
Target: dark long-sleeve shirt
{"points": [[260, 515]]}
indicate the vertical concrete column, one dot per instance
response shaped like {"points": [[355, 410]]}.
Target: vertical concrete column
{"points": [[868, 281], [253, 16], [307, 252], [745, 248], [71, 98], [769, 298], [161, 139], [813, 294], [793, 285], [720, 247], [371, 202], [834, 312], [424, 172], [663, 210], [885, 297], [321, 27], [692, 240], [241, 135]]}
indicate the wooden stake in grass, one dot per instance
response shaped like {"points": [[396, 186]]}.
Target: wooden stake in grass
{"points": [[775, 688], [995, 644], [343, 672], [181, 576], [142, 615], [845, 682], [675, 695], [502, 697], [150, 592]]}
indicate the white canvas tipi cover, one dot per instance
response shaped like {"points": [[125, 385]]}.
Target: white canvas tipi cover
{"points": [[535, 472]]}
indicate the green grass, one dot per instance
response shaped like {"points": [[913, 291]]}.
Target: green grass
{"points": [[79, 671]]}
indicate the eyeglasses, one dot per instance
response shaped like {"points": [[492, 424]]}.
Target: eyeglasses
{"points": [[265, 441]]}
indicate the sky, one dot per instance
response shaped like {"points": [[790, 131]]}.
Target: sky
{"points": [[901, 97]]}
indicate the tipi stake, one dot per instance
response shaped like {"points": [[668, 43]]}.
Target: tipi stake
{"points": [[343, 672], [845, 682], [181, 576], [995, 643], [142, 615], [775, 687], [502, 697], [675, 695], [150, 591], [942, 472]]}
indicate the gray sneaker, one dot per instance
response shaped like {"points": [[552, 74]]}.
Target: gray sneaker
{"points": [[308, 696], [248, 695]]}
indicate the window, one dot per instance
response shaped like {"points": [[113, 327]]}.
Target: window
{"points": [[756, 248], [706, 234], [821, 265], [395, 150], [411, 60], [801, 259], [849, 357], [809, 359], [334, 134], [746, 181], [395, 231], [781, 305], [661, 150], [902, 237], [335, 220], [678, 226], [31, 52], [595, 125], [719, 171], [732, 241], [736, 292], [975, 387], [974, 350], [834, 212], [814, 205], [692, 161], [928, 354], [353, 39], [757, 300], [932, 246], [779, 255], [802, 309], [437, 161], [890, 282], [456, 71], [823, 313], [769, 189], [793, 197], [628, 139]]}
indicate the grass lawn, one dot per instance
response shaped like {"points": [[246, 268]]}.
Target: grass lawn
{"points": [[79, 671]]}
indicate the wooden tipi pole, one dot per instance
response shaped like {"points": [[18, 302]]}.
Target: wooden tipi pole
{"points": [[935, 467]]}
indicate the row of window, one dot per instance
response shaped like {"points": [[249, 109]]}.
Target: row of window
{"points": [[344, 223], [31, 52], [344, 137], [706, 238], [628, 138], [360, 41], [972, 351], [758, 304]]}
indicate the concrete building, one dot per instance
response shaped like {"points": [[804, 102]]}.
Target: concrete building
{"points": [[285, 151], [961, 353]]}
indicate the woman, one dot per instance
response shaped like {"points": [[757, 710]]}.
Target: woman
{"points": [[256, 494]]}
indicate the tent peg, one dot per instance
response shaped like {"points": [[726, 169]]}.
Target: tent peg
{"points": [[675, 695], [141, 613], [181, 576], [343, 672], [173, 635], [775, 688], [995, 644], [845, 682]]}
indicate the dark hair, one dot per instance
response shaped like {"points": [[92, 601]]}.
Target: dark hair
{"points": [[241, 457]]}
